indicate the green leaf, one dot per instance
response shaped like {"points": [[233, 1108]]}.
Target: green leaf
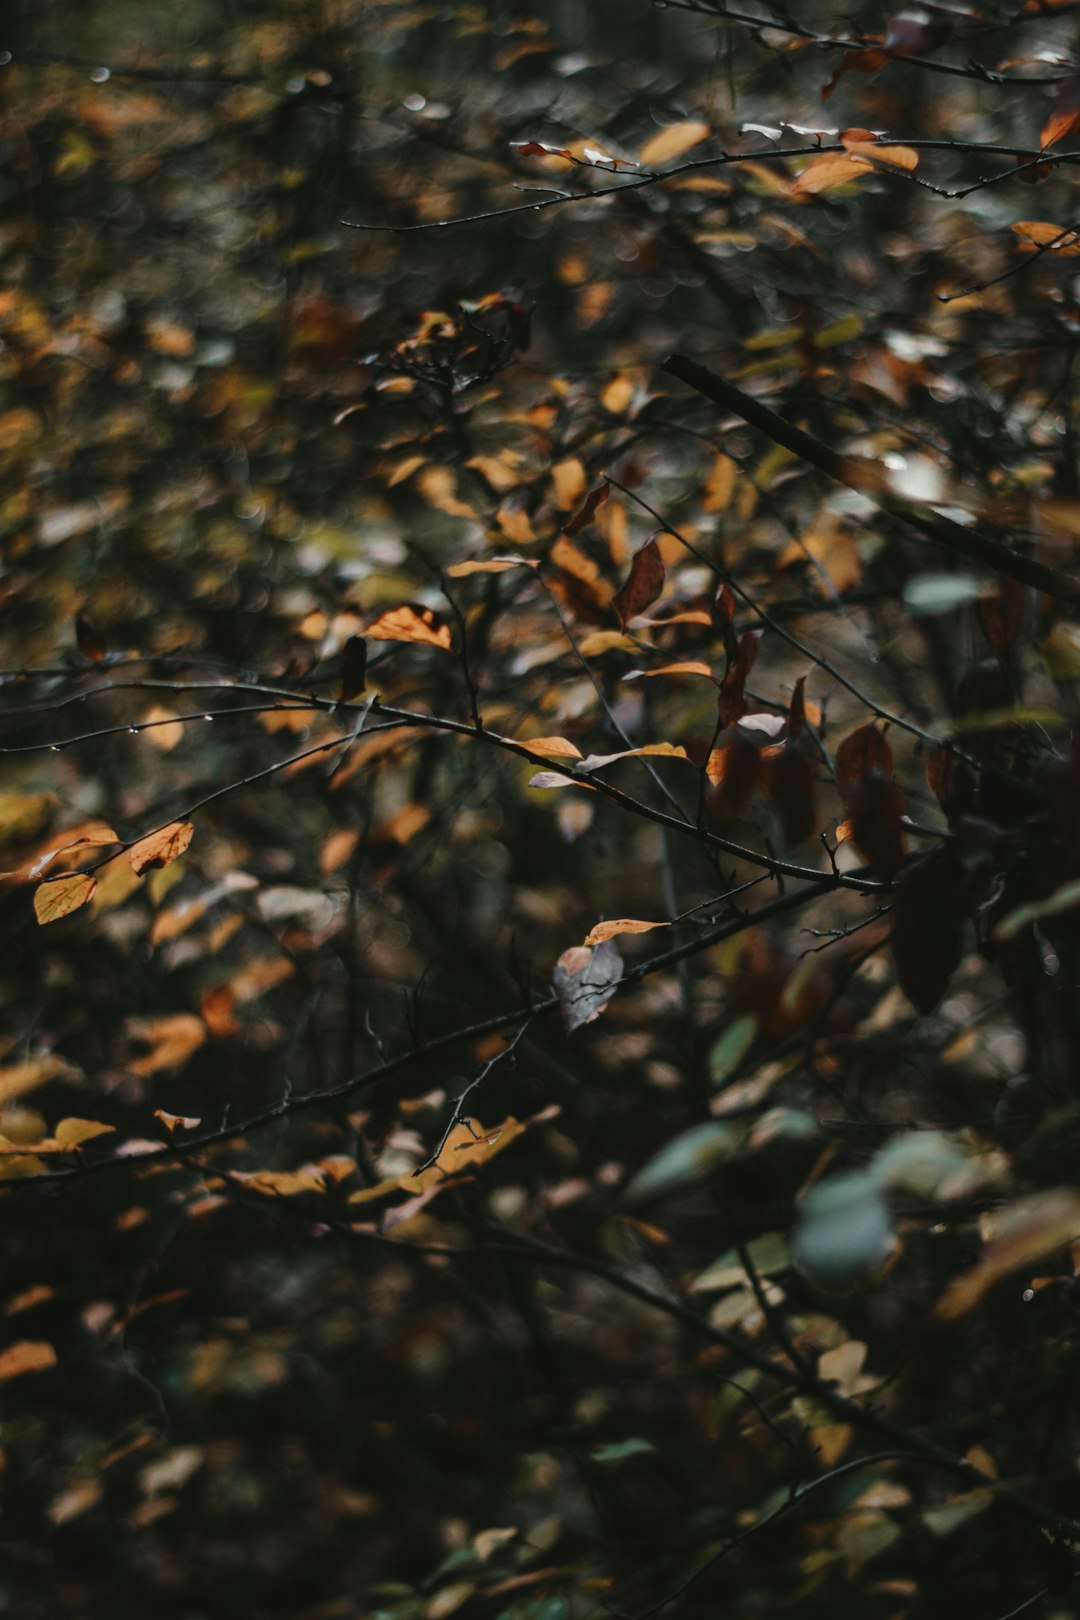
{"points": [[930, 594], [843, 1232], [685, 1158], [619, 1450]]}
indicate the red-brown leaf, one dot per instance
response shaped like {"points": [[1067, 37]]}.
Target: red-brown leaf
{"points": [[874, 813], [865, 60], [1065, 113], [587, 510], [643, 585], [353, 668], [90, 642], [734, 771], [1002, 615], [865, 750], [731, 702], [927, 936], [790, 786]]}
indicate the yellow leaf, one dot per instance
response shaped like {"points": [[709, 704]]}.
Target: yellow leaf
{"points": [[160, 847], [620, 925], [720, 484], [616, 397], [550, 747], [59, 897], [163, 729], [28, 1355], [674, 141], [598, 642], [24, 815], [71, 1133], [494, 565], [468, 1143], [18, 1078]]}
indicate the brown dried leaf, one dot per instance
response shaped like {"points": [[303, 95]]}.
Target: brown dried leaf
{"points": [[860, 753], [731, 702], [644, 584], [1002, 615], [790, 786], [89, 641], [1041, 233], [59, 897], [587, 511], [160, 848], [867, 59], [1065, 114], [585, 980]]}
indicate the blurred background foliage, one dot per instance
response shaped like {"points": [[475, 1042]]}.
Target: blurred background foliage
{"points": [[352, 1271]]}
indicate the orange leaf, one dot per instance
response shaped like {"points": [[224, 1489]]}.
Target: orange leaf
{"points": [[550, 747], [409, 623], [827, 171], [162, 847], [176, 1122], [59, 897], [90, 643], [689, 666], [899, 157], [493, 565], [1065, 115], [29, 1355], [672, 142], [1040, 233], [620, 925]]}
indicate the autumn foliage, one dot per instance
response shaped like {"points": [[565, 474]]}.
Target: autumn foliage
{"points": [[540, 859]]}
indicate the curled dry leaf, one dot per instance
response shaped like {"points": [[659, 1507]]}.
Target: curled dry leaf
{"points": [[59, 897], [644, 585], [585, 980], [410, 623], [587, 511], [161, 847], [620, 925], [176, 1122]]}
